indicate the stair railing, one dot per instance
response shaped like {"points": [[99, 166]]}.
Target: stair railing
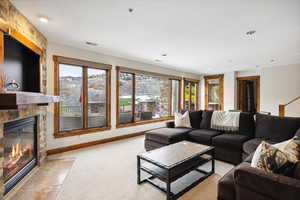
{"points": [[283, 106]]}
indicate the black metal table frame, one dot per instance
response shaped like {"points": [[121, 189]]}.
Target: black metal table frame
{"points": [[168, 192]]}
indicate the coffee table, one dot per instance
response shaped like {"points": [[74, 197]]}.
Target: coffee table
{"points": [[174, 169]]}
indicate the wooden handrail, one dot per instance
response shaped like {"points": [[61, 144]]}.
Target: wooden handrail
{"points": [[282, 107], [292, 101]]}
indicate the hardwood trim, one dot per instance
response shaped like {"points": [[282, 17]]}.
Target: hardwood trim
{"points": [[244, 78], [182, 94], [28, 43], [292, 101], [117, 95], [85, 97], [133, 97], [221, 94], [135, 71], [138, 123], [79, 62], [81, 131], [1, 51], [281, 112], [215, 76], [4, 27], [192, 80], [170, 98], [85, 66], [108, 98], [197, 96], [93, 143], [180, 98], [56, 92]]}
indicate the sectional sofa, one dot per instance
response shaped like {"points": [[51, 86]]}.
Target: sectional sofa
{"points": [[228, 145], [242, 182]]}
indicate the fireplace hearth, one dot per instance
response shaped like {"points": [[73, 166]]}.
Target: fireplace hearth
{"points": [[20, 150]]}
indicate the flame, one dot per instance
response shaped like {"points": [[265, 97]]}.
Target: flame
{"points": [[18, 151]]}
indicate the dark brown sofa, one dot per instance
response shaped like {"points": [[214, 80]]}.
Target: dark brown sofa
{"points": [[246, 183], [228, 145]]}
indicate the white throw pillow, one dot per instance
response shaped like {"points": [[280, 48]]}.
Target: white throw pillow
{"points": [[257, 152], [182, 121]]}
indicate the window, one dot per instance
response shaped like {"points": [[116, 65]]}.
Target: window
{"points": [[146, 97], [175, 98], [83, 88], [214, 92], [191, 95]]}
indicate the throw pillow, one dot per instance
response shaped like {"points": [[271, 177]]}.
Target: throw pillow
{"points": [[182, 120], [275, 161], [293, 149], [257, 152]]}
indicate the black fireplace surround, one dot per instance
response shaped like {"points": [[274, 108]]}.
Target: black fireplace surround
{"points": [[20, 150]]}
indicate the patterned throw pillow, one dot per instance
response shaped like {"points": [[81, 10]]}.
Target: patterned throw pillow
{"points": [[273, 160], [182, 121], [293, 149]]}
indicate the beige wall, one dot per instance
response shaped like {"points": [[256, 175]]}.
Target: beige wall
{"points": [[56, 49], [278, 85]]}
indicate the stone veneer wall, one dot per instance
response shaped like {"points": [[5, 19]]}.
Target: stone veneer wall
{"points": [[10, 16]]}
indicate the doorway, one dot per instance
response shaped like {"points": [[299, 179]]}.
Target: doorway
{"points": [[248, 94]]}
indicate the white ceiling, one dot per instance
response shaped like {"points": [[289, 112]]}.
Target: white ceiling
{"points": [[200, 36]]}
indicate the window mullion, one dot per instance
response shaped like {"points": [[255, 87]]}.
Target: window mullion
{"points": [[85, 97], [133, 97], [170, 97]]}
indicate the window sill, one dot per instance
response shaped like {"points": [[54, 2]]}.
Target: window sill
{"points": [[80, 132], [144, 122]]}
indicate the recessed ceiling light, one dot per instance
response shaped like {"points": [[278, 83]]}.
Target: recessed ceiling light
{"points": [[130, 10], [251, 32], [43, 19], [164, 54], [91, 43]]}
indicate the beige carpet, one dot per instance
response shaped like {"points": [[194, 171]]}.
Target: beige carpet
{"points": [[108, 172]]}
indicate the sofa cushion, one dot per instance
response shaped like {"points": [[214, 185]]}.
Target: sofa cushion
{"points": [[297, 171], [196, 117], [230, 141], [247, 124], [206, 119], [226, 188], [167, 135], [251, 145], [249, 158], [203, 136], [275, 128]]}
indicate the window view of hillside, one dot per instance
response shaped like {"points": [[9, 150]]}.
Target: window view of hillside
{"points": [[72, 97], [125, 98], [70, 85], [96, 97], [151, 97]]}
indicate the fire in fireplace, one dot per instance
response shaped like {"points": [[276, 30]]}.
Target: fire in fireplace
{"points": [[19, 150]]}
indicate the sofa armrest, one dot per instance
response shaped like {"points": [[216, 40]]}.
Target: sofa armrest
{"points": [[170, 124], [271, 186]]}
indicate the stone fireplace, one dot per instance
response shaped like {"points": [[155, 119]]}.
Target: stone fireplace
{"points": [[15, 150], [20, 150]]}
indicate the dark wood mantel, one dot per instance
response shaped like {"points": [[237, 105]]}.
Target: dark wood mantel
{"points": [[17, 100]]}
